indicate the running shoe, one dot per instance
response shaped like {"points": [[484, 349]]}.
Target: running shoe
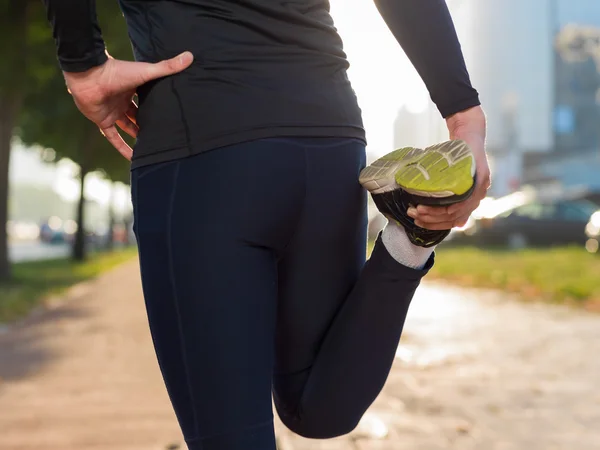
{"points": [[439, 175]]}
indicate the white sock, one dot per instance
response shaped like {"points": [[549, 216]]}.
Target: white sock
{"points": [[401, 249]]}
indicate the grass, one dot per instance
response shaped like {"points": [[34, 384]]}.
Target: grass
{"points": [[34, 281], [563, 275], [568, 275]]}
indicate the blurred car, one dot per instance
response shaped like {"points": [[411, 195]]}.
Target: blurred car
{"points": [[58, 231], [52, 231], [533, 222]]}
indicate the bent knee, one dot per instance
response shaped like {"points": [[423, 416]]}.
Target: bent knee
{"points": [[320, 426]]}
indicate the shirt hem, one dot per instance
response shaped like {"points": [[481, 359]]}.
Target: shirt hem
{"points": [[157, 156], [456, 107], [74, 66]]}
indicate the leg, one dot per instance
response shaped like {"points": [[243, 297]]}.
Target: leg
{"points": [[208, 259], [339, 323]]}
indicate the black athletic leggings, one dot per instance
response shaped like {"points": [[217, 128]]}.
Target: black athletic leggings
{"points": [[254, 275]]}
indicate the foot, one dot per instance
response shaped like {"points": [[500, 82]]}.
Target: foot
{"points": [[439, 175]]}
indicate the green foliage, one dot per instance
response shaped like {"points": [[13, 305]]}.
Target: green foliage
{"points": [[49, 117], [33, 282], [558, 274], [13, 33], [34, 99]]}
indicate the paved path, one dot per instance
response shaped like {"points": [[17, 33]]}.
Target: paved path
{"points": [[84, 376], [477, 371], [474, 371]]}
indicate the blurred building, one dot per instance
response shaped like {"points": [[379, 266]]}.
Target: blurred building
{"points": [[543, 111], [544, 116], [419, 128]]}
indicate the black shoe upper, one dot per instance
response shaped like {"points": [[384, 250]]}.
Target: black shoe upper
{"points": [[394, 205]]}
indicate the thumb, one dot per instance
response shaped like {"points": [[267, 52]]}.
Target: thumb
{"points": [[152, 71]]}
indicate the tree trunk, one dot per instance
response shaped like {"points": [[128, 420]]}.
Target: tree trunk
{"points": [[79, 247], [127, 221], [8, 110], [13, 23], [110, 241]]}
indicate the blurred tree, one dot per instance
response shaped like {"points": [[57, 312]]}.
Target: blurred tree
{"points": [[118, 173], [577, 43], [13, 34], [48, 116]]}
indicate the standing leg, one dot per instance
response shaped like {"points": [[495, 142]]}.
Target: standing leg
{"points": [[339, 322], [209, 228]]}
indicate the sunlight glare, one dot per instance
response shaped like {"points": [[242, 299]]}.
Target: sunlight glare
{"points": [[381, 74]]}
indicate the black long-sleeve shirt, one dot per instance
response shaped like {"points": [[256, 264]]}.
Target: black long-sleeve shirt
{"points": [[262, 68]]}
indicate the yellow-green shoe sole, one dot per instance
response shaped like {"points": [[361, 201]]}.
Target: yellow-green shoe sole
{"points": [[442, 170]]}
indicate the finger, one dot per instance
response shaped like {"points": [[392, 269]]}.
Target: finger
{"points": [[435, 219], [436, 214], [132, 112], [117, 141], [435, 226], [470, 204], [140, 73], [462, 213], [460, 217], [462, 221], [480, 192], [431, 216], [169, 66], [432, 210], [128, 126], [441, 214], [448, 225]]}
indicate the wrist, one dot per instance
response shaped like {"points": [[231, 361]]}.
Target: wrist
{"points": [[81, 75], [83, 65], [474, 113], [88, 82], [472, 119]]}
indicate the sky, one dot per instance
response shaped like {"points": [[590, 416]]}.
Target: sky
{"points": [[382, 76]]}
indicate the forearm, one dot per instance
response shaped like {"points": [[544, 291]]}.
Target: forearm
{"points": [[77, 34], [425, 31]]}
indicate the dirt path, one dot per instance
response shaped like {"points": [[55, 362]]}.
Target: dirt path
{"points": [[83, 376], [474, 371], [478, 371]]}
